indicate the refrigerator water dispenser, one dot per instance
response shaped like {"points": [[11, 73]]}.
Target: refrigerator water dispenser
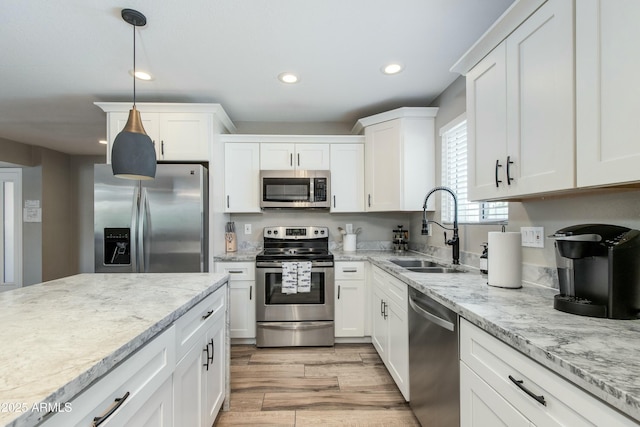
{"points": [[117, 246]]}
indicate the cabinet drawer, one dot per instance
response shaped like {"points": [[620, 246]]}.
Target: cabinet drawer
{"points": [[140, 375], [395, 289], [237, 270], [192, 324], [564, 403], [352, 270]]}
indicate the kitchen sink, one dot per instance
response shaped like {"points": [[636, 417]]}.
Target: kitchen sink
{"points": [[434, 270], [415, 263]]}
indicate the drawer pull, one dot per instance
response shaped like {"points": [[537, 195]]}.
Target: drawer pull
{"points": [[118, 401], [206, 316], [235, 271], [349, 270], [520, 384]]}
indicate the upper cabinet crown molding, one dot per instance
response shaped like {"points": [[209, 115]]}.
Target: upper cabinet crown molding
{"points": [[297, 139], [398, 113], [172, 107], [511, 19]]}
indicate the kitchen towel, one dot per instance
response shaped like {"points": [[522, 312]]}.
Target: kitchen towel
{"points": [[505, 259], [289, 277], [304, 276]]}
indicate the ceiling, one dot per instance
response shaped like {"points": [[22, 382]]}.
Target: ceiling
{"points": [[59, 57]]}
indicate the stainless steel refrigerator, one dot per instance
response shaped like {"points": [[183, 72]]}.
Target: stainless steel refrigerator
{"points": [[154, 226]]}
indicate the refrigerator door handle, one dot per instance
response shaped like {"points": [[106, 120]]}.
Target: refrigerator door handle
{"points": [[143, 229], [135, 224]]}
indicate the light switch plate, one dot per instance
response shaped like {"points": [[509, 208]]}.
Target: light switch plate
{"points": [[532, 237], [247, 229]]}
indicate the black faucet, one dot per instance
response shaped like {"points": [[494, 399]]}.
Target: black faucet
{"points": [[453, 242]]}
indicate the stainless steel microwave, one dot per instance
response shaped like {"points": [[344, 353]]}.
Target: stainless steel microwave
{"points": [[281, 189]]}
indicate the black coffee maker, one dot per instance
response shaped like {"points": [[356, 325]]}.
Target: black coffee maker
{"points": [[598, 270]]}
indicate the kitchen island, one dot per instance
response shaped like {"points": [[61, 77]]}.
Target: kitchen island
{"points": [[61, 336]]}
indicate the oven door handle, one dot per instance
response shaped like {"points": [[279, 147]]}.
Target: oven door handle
{"points": [[293, 325]]}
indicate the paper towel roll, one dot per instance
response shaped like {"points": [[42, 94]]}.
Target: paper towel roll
{"points": [[505, 259]]}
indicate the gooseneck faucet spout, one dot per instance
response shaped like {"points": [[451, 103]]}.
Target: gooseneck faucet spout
{"points": [[453, 242]]}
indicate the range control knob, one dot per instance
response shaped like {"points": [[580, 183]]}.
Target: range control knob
{"points": [[315, 231], [275, 231]]}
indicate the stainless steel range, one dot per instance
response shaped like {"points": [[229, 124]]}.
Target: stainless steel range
{"points": [[295, 288]]}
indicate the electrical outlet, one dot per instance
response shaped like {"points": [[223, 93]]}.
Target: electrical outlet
{"points": [[532, 237], [247, 229]]}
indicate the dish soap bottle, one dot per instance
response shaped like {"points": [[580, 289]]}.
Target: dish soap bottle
{"points": [[484, 259]]}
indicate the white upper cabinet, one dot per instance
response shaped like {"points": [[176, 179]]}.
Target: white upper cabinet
{"points": [[607, 93], [520, 109], [290, 156], [180, 132], [399, 158], [347, 177], [241, 176]]}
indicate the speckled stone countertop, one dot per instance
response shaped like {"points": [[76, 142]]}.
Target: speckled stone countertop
{"points": [[60, 336], [601, 356]]}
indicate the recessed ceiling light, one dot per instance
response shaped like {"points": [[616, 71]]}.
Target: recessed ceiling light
{"points": [[103, 141], [141, 75], [392, 69], [289, 78]]}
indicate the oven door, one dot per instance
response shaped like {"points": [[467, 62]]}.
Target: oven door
{"points": [[274, 305]]}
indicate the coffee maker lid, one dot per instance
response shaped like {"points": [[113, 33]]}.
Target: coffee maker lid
{"points": [[589, 232]]}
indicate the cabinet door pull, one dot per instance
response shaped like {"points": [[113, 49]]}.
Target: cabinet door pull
{"points": [[369, 200], [334, 201], [509, 162], [382, 308], [385, 311], [206, 364], [498, 165], [298, 159], [250, 292], [291, 159], [206, 316], [227, 201], [118, 401], [338, 291], [213, 350], [521, 386], [162, 148]]}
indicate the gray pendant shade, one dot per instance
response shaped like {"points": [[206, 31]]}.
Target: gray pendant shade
{"points": [[133, 155]]}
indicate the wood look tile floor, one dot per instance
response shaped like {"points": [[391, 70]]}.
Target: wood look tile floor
{"points": [[345, 385]]}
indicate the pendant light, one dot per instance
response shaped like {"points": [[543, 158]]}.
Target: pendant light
{"points": [[133, 155]]}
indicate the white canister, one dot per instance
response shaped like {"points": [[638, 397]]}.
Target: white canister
{"points": [[349, 242], [505, 259]]}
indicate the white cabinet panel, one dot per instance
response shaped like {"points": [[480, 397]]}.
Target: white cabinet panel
{"points": [[520, 110], [349, 299], [289, 156], [607, 93], [242, 177], [242, 304], [347, 178]]}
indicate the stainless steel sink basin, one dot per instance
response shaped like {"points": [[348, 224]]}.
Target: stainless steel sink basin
{"points": [[415, 263], [434, 270]]}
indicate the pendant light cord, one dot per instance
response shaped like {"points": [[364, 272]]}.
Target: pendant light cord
{"points": [[134, 66]]}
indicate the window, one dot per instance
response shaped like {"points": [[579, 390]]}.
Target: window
{"points": [[454, 176]]}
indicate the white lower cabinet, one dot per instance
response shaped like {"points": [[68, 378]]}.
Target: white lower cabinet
{"points": [[349, 299], [138, 389], [500, 386], [390, 327], [177, 379], [242, 303]]}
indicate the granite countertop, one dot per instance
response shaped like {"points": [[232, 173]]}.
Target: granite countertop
{"points": [[60, 336], [601, 356]]}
